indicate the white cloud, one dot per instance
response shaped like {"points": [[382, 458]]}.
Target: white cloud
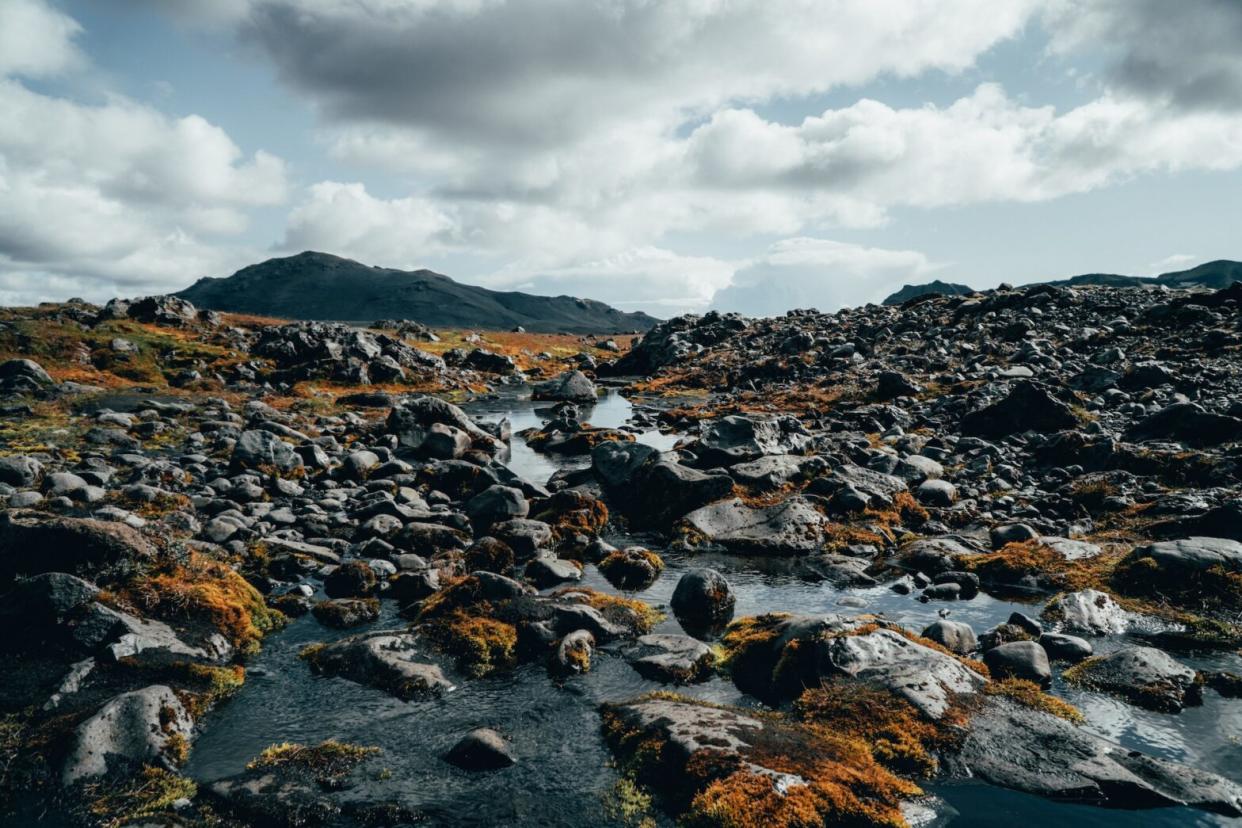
{"points": [[36, 40], [1183, 53], [348, 221], [822, 274], [458, 73], [651, 279], [112, 196], [1173, 263]]}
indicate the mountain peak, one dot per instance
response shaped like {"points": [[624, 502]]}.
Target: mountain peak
{"points": [[323, 286]]}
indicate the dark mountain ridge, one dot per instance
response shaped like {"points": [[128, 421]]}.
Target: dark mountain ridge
{"points": [[1214, 275], [321, 286]]}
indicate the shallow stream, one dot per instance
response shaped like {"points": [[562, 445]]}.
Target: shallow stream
{"points": [[563, 776]]}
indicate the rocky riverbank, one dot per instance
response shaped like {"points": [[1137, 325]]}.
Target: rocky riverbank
{"points": [[186, 491]]}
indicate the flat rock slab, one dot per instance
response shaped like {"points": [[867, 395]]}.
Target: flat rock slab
{"points": [[1145, 676], [392, 662], [791, 527], [1028, 750]]}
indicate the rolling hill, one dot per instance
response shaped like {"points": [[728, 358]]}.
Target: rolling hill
{"points": [[321, 286]]}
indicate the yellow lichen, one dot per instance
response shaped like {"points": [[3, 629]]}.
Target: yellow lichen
{"points": [[1029, 694]]}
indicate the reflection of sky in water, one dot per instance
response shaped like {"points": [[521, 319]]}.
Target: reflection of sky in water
{"points": [[612, 411], [563, 766]]}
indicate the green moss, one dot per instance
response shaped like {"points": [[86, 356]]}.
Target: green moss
{"points": [[145, 796], [326, 761]]}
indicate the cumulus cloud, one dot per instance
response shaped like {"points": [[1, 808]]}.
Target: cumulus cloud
{"points": [[984, 147], [114, 196], [650, 279], [544, 72], [1184, 53], [36, 40], [822, 274]]}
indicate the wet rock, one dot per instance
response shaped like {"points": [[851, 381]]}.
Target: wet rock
{"points": [[1089, 612], [673, 659], [147, 725], [547, 572], [351, 580], [290, 785], [954, 635], [1021, 660], [1061, 647], [883, 658], [392, 662], [573, 654], [791, 527], [1143, 675], [571, 386], [480, 750], [631, 568], [346, 612], [1062, 761], [703, 599]]}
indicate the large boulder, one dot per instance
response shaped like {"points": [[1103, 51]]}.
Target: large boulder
{"points": [[791, 527], [148, 725], [1189, 423], [672, 659], [703, 599], [23, 376], [571, 386], [32, 542], [413, 419], [264, 451], [650, 489], [391, 661], [1144, 675], [1027, 407], [737, 439], [1018, 747]]}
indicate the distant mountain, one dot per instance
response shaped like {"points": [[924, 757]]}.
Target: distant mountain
{"points": [[937, 287], [321, 286], [1214, 275]]}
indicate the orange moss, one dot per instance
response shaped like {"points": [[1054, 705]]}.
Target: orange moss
{"points": [[206, 591], [481, 645], [893, 729], [629, 612]]}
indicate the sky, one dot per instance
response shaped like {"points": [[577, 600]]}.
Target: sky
{"points": [[659, 155]]}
